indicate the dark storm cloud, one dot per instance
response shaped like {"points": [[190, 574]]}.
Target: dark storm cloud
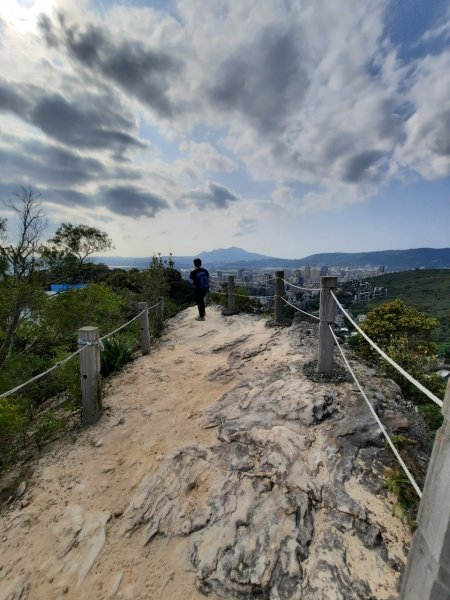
{"points": [[357, 166], [13, 101], [264, 81], [86, 121], [66, 197], [213, 195], [138, 70], [77, 127], [40, 163], [131, 201]]}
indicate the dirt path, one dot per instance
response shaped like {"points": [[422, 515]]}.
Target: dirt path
{"points": [[218, 466], [68, 541]]}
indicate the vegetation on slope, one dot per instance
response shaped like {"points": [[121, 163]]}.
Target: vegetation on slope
{"points": [[426, 290]]}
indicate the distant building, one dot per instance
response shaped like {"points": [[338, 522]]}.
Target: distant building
{"points": [[323, 271]]}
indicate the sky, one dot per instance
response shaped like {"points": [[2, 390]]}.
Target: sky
{"points": [[285, 127]]}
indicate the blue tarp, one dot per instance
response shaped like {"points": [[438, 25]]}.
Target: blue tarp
{"points": [[63, 287]]}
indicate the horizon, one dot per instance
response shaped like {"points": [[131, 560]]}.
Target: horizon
{"points": [[267, 256], [291, 128]]}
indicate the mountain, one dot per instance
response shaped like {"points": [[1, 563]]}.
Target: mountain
{"points": [[235, 258], [231, 255]]}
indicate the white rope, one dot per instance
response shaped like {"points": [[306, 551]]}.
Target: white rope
{"points": [[127, 323], [83, 345], [299, 309], [36, 377], [380, 424], [300, 288], [411, 379]]}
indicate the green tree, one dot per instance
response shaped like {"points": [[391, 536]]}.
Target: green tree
{"points": [[68, 251], [21, 290], [403, 333]]}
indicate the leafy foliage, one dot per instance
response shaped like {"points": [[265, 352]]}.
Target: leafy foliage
{"points": [[73, 244], [398, 483], [21, 293], [12, 422], [427, 290], [117, 352]]}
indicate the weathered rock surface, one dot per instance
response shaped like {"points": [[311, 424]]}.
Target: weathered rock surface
{"points": [[276, 508]]}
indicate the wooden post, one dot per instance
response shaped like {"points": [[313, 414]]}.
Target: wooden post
{"points": [[145, 331], [231, 309], [427, 574], [279, 291], [90, 375], [327, 314]]}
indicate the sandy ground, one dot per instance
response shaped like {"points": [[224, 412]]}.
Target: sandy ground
{"points": [[154, 410]]}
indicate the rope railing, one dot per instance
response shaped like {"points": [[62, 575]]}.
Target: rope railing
{"points": [[84, 345], [300, 310], [127, 323], [392, 362], [380, 424], [36, 377], [298, 287]]}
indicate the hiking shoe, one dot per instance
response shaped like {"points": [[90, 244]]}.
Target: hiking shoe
{"points": [[199, 318]]}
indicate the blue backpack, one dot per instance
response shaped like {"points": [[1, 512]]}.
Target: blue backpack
{"points": [[203, 281]]}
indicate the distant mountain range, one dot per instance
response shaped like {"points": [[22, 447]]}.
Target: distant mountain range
{"points": [[235, 258]]}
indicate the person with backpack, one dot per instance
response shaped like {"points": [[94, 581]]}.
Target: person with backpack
{"points": [[200, 279]]}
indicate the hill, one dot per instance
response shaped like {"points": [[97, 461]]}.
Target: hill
{"points": [[229, 255], [235, 258], [427, 290]]}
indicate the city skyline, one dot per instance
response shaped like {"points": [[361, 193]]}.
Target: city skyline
{"points": [[288, 128]]}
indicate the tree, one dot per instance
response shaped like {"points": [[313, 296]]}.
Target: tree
{"points": [[72, 245], [402, 332], [20, 277]]}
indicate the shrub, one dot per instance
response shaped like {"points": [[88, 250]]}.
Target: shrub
{"points": [[398, 483], [117, 351], [432, 415], [12, 422]]}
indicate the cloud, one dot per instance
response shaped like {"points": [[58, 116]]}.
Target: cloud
{"points": [[91, 121], [245, 226], [361, 166], [426, 147], [264, 79], [201, 157], [34, 162], [139, 70], [132, 202], [211, 195]]}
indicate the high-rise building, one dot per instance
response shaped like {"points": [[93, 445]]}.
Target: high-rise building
{"points": [[323, 271]]}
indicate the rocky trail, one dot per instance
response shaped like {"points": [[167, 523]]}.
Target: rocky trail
{"points": [[218, 468]]}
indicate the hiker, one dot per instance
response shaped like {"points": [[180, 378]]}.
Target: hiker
{"points": [[200, 279]]}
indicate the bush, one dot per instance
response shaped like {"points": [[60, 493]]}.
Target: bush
{"points": [[117, 351], [432, 415], [407, 502], [12, 422]]}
